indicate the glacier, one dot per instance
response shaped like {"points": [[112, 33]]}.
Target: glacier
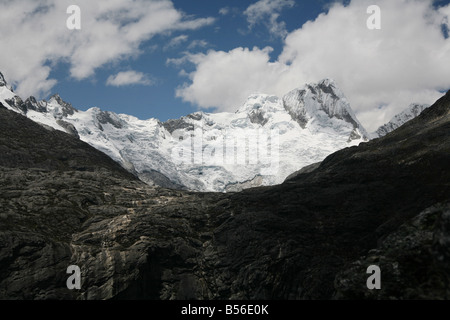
{"points": [[263, 142]]}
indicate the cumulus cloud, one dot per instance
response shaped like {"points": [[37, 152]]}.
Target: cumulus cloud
{"points": [[126, 78], [380, 71], [267, 12], [34, 37], [230, 76]]}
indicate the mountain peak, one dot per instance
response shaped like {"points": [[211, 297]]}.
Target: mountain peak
{"points": [[3, 82], [329, 86], [259, 101], [323, 104], [56, 97], [413, 110], [328, 82], [60, 107]]}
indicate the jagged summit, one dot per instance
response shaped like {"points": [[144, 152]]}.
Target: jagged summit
{"points": [[314, 105], [264, 122], [289, 132], [260, 108], [398, 120], [56, 97], [59, 107], [2, 80], [32, 104], [183, 123], [323, 105], [260, 101]]}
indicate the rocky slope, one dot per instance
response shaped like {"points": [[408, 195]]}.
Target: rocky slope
{"points": [[414, 260], [298, 240]]}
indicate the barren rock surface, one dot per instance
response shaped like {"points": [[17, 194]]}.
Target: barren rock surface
{"points": [[64, 203]]}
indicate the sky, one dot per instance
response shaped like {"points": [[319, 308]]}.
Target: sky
{"points": [[165, 59]]}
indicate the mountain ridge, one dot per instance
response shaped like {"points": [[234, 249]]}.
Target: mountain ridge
{"points": [[296, 104], [318, 116], [312, 237], [412, 111], [148, 147]]}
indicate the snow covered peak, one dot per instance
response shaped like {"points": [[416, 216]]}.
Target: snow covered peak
{"points": [[306, 102], [328, 86], [2, 80], [8, 98], [107, 117], [398, 120], [263, 102], [56, 99], [260, 108], [4, 84], [323, 105], [32, 104], [59, 108], [266, 140]]}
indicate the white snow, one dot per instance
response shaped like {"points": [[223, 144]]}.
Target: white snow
{"points": [[223, 149], [6, 94], [400, 119]]}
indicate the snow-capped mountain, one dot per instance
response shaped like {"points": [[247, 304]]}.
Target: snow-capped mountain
{"points": [[263, 142], [322, 106], [398, 120], [2, 80]]}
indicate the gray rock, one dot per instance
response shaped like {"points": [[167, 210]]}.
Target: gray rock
{"points": [[64, 203], [67, 108], [2, 80], [257, 116], [414, 262], [70, 128], [306, 169]]}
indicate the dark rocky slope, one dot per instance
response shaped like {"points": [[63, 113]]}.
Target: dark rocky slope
{"points": [[63, 203]]}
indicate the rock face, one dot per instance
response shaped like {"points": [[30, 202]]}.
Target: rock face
{"points": [[325, 106], [47, 180], [2, 80], [415, 261], [375, 203]]}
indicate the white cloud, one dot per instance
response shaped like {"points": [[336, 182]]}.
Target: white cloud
{"points": [[224, 11], [175, 42], [197, 44], [406, 61], [178, 61], [34, 37], [267, 12], [224, 79], [126, 78]]}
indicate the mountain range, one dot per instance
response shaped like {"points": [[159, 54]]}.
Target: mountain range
{"points": [[266, 140], [398, 120], [385, 202]]}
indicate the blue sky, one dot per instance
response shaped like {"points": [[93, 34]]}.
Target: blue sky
{"points": [[168, 58], [158, 100]]}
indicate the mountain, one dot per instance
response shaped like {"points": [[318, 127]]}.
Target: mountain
{"points": [[384, 202], [2, 80], [323, 106], [262, 143], [398, 120]]}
